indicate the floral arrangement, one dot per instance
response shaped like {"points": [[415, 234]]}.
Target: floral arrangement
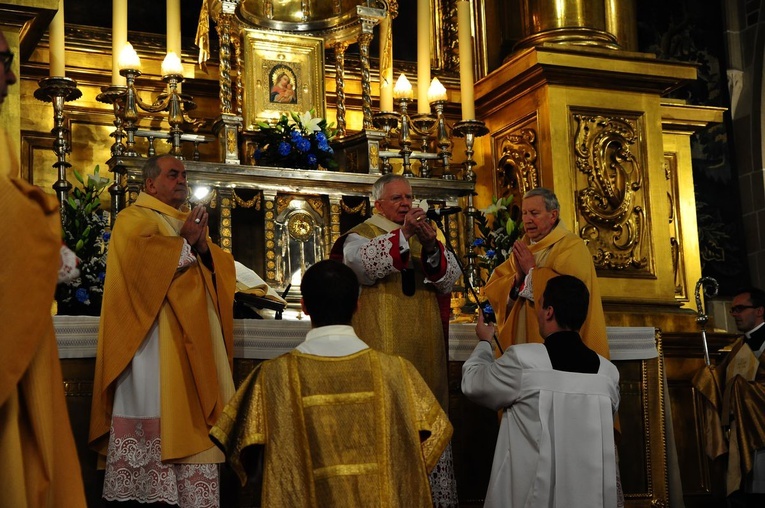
{"points": [[496, 236], [298, 141], [86, 233]]}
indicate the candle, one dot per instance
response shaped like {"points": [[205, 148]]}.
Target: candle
{"points": [[56, 42], [386, 64], [466, 60], [423, 55], [119, 38], [129, 58], [174, 26], [403, 88], [436, 92], [172, 65]]}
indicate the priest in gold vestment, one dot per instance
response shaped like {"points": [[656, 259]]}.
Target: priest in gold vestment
{"points": [[732, 396], [547, 249], [165, 348], [406, 275], [37, 450], [342, 424]]}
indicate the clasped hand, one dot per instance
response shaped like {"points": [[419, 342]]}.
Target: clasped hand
{"points": [[194, 230], [416, 224], [524, 260]]}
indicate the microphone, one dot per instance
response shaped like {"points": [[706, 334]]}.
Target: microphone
{"points": [[437, 213]]}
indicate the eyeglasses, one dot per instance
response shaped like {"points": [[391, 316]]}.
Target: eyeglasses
{"points": [[7, 57], [397, 198], [738, 309]]}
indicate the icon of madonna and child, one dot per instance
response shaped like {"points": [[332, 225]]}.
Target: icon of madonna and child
{"points": [[283, 85]]}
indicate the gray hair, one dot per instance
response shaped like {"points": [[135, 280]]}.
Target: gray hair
{"points": [[379, 185], [151, 167], [551, 200]]}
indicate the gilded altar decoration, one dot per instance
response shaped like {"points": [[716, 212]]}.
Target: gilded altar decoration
{"points": [[612, 204], [296, 141], [517, 170], [86, 233], [283, 73]]}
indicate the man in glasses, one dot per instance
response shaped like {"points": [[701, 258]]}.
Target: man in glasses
{"points": [[733, 398], [403, 269]]}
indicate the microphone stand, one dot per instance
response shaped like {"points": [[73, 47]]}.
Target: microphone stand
{"points": [[468, 285]]}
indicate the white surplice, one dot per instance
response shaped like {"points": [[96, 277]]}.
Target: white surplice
{"points": [[556, 444]]}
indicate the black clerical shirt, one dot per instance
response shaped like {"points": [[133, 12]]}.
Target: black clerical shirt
{"points": [[567, 352]]}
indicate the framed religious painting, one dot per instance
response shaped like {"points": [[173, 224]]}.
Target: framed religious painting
{"points": [[282, 74]]}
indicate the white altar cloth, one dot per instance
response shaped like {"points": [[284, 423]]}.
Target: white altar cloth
{"points": [[266, 338]]}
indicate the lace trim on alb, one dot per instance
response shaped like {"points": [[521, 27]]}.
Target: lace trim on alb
{"points": [[375, 257], [135, 471], [443, 484]]}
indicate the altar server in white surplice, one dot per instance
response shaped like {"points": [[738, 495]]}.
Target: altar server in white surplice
{"points": [[556, 443]]}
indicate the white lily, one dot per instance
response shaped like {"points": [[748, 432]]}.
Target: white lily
{"points": [[309, 123]]}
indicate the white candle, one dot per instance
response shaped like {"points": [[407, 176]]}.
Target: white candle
{"points": [[465, 39], [129, 58], [386, 64], [119, 38], [57, 60], [172, 65], [423, 55], [403, 88], [436, 92], [174, 26]]}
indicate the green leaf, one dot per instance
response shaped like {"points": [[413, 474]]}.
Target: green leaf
{"points": [[78, 176]]}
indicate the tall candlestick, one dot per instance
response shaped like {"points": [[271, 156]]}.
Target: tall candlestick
{"points": [[423, 55], [386, 64], [56, 40], [466, 60], [119, 38]]}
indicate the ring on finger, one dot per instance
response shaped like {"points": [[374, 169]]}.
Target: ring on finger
{"points": [[197, 220]]}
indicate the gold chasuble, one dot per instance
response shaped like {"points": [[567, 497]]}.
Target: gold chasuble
{"points": [[356, 430], [194, 307], [732, 394], [408, 326], [37, 450], [559, 253]]}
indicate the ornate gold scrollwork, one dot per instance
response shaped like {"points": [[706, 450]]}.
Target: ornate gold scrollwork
{"points": [[317, 204], [612, 204], [516, 169]]}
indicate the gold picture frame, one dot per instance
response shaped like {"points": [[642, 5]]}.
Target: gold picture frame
{"points": [[282, 73]]}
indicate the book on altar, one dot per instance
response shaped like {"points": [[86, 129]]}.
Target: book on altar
{"points": [[250, 283]]}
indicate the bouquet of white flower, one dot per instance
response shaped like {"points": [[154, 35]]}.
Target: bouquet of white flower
{"points": [[296, 141]]}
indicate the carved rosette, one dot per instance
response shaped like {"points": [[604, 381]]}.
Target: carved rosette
{"points": [[270, 227], [225, 202], [611, 206]]}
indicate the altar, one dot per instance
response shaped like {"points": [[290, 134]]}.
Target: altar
{"points": [[636, 351]]}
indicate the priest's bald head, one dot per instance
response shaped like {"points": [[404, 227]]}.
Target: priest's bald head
{"points": [[7, 76]]}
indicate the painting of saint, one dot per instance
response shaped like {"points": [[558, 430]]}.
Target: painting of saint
{"points": [[283, 85]]}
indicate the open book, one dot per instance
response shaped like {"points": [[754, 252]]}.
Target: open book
{"points": [[250, 283]]}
